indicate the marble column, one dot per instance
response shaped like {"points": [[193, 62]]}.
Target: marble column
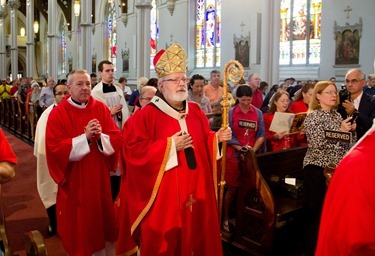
{"points": [[143, 38], [53, 40], [3, 72], [86, 30], [13, 6], [270, 39], [30, 44]]}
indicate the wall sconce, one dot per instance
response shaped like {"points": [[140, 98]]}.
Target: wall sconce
{"points": [[77, 8], [36, 27], [124, 18], [170, 6], [22, 32]]}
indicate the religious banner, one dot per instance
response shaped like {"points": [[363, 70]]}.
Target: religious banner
{"points": [[242, 50], [347, 43]]}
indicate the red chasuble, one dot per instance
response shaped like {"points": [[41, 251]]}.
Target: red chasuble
{"points": [[84, 206], [7, 153], [347, 224], [171, 212]]}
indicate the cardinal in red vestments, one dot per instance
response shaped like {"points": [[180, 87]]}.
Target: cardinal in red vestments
{"points": [[170, 157], [81, 144], [347, 225]]}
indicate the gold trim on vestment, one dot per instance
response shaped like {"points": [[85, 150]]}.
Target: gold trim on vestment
{"points": [[214, 164], [130, 252], [156, 187]]}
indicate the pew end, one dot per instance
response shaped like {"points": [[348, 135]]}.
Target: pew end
{"points": [[266, 214], [35, 245]]}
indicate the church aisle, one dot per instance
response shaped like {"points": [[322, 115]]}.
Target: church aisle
{"points": [[23, 208]]}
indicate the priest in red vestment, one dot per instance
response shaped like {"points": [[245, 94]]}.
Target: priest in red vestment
{"points": [[81, 144], [7, 159], [347, 225], [170, 176]]}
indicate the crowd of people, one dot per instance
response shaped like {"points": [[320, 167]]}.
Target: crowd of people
{"points": [[137, 170]]}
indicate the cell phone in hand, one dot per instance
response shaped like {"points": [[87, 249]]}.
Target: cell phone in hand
{"points": [[354, 117]]}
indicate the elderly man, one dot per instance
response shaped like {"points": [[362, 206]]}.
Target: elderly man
{"points": [[370, 86], [46, 98], [81, 144], [213, 91], [359, 102], [254, 83], [172, 200], [47, 188]]}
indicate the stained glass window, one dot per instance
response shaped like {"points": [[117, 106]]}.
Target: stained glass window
{"points": [[154, 28], [63, 53], [208, 33], [300, 31], [112, 33]]}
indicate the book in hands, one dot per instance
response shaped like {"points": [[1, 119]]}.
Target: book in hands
{"points": [[288, 122]]}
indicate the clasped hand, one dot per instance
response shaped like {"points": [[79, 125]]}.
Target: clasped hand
{"points": [[182, 140], [116, 108], [93, 129]]}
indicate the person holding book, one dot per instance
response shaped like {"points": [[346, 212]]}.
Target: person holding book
{"points": [[246, 122], [278, 140], [323, 126]]}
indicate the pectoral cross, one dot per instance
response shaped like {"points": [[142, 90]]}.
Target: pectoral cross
{"points": [[347, 10], [242, 25], [189, 204]]}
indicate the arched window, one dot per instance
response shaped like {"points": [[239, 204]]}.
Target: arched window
{"points": [[112, 33], [154, 28], [300, 32], [208, 33]]}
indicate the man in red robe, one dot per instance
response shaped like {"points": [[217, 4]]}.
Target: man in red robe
{"points": [[170, 176], [347, 225], [81, 141], [7, 160]]}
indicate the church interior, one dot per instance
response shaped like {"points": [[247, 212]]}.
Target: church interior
{"points": [[278, 39]]}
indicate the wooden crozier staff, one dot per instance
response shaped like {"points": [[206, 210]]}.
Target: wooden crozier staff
{"points": [[233, 71]]}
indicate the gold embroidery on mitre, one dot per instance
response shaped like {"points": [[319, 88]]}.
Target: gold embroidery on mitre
{"points": [[173, 60]]}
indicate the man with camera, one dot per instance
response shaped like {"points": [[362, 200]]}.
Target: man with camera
{"points": [[355, 103]]}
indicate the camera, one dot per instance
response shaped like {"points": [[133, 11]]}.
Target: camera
{"points": [[344, 95]]}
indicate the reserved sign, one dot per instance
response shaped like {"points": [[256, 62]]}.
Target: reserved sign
{"points": [[248, 124], [338, 136]]}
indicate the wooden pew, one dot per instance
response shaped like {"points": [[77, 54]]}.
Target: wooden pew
{"points": [[263, 207]]}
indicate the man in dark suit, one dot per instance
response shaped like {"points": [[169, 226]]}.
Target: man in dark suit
{"points": [[359, 102]]}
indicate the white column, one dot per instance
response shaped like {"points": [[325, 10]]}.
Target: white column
{"points": [[3, 72], [275, 39], [266, 42], [14, 5], [30, 45], [143, 38], [86, 35], [53, 37]]}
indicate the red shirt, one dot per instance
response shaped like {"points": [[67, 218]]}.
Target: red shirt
{"points": [[257, 99], [298, 106]]}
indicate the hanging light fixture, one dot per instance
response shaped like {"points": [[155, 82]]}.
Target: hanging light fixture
{"points": [[22, 32], [77, 8], [36, 27]]}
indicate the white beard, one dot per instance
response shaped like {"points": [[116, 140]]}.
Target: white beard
{"points": [[175, 96]]}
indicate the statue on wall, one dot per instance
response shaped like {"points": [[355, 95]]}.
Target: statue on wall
{"points": [[125, 60], [93, 63]]}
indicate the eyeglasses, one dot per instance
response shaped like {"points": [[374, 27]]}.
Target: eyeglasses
{"points": [[62, 93], [331, 93], [353, 81], [177, 80]]}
